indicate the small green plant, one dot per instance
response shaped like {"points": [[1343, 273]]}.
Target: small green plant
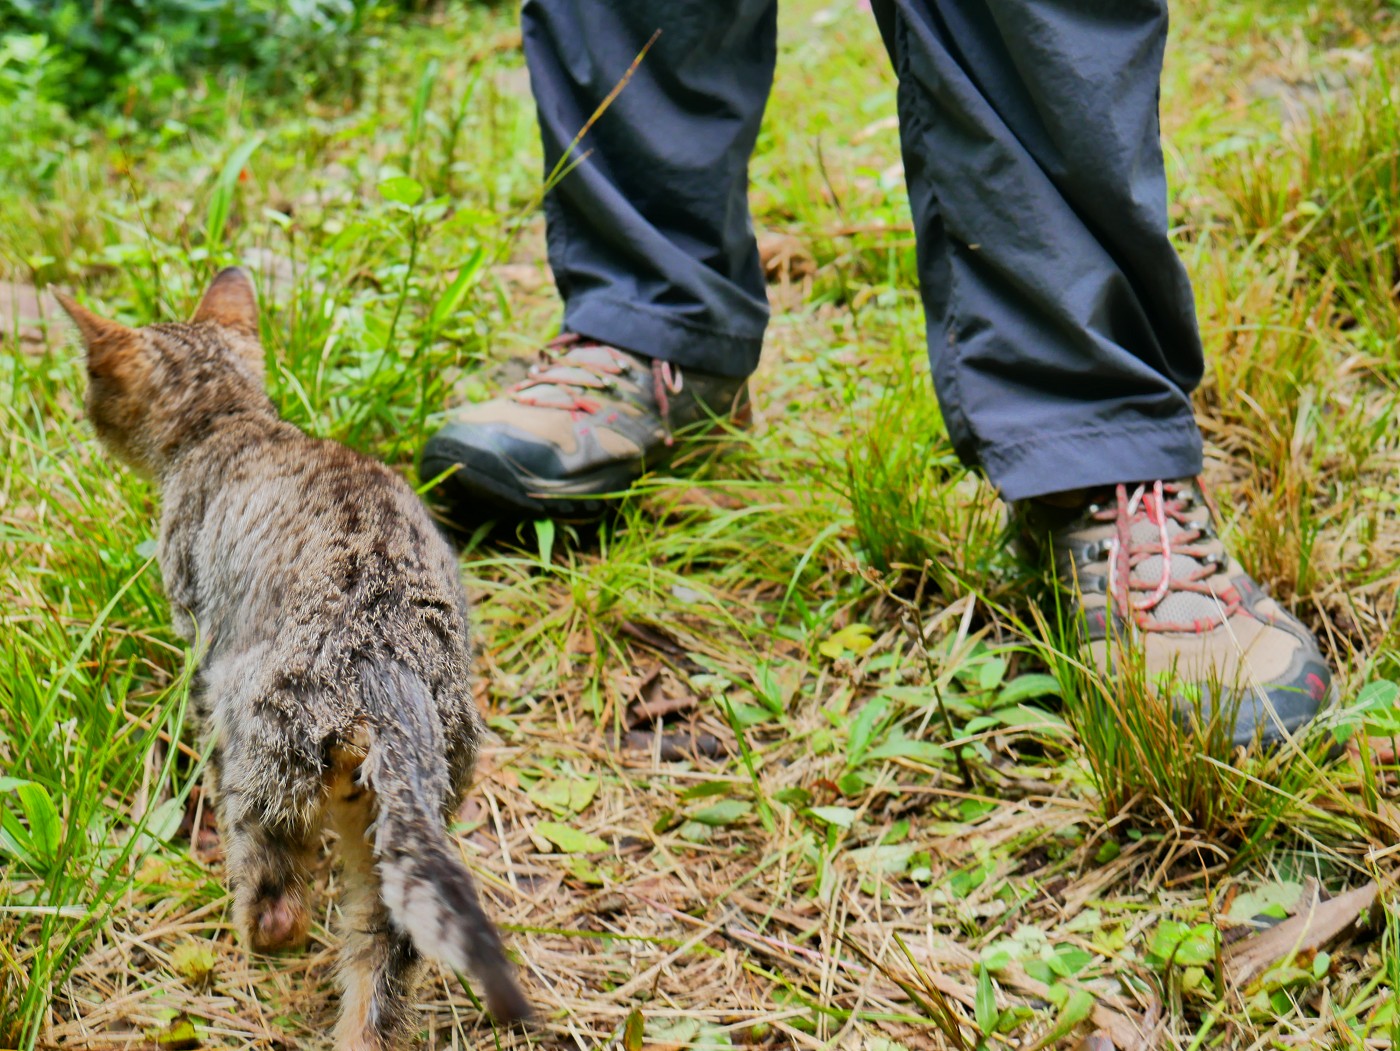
{"points": [[38, 130], [912, 502], [1160, 751], [1182, 953]]}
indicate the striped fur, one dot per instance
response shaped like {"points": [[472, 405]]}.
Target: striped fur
{"points": [[423, 883]]}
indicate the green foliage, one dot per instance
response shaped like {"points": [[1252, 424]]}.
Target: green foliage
{"points": [[911, 501], [38, 134], [1331, 193], [144, 51], [80, 743]]}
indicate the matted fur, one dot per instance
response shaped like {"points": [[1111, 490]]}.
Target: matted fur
{"points": [[334, 686]]}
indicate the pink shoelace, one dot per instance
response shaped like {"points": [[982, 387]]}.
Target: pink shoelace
{"points": [[575, 376], [1161, 504]]}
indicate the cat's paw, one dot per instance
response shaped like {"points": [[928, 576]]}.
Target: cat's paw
{"points": [[279, 924]]}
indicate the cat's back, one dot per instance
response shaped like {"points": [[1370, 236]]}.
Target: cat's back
{"points": [[323, 554]]}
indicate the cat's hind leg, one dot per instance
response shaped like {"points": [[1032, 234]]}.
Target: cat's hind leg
{"points": [[378, 964], [268, 871], [269, 795], [267, 863]]}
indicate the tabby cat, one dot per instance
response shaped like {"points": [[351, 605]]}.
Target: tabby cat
{"points": [[335, 684]]}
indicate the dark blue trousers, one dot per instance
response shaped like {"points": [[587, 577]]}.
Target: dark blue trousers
{"points": [[1061, 325]]}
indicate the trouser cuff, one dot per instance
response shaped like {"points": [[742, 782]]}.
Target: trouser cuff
{"points": [[1142, 451], [660, 335]]}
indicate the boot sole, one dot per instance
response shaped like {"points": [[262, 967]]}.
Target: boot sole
{"points": [[576, 497], [467, 487]]}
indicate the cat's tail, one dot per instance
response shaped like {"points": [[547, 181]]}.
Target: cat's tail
{"points": [[423, 883]]}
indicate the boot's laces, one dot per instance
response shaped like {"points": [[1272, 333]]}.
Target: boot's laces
{"points": [[569, 376], [666, 380], [1163, 505]]}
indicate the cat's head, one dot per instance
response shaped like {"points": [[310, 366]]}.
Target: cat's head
{"points": [[154, 390]]}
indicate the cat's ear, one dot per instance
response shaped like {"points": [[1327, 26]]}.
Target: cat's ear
{"points": [[110, 344], [231, 302]]}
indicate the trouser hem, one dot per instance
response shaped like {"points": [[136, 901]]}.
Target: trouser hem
{"points": [[657, 334], [1084, 459]]}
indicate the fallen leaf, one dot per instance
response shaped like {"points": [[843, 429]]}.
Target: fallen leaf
{"points": [[725, 812], [194, 961], [178, 1035], [570, 840], [853, 638], [785, 257], [887, 859], [632, 1030], [564, 795], [472, 812], [662, 706], [652, 637], [654, 703], [840, 816], [585, 871], [1274, 900], [1311, 929]]}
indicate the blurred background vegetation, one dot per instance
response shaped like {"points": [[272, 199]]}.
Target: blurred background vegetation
{"points": [[135, 66]]}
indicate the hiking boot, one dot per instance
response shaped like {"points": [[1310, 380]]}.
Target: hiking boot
{"points": [[586, 423], [1144, 565]]}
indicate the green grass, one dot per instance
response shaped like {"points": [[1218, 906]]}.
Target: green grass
{"points": [[884, 743]]}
